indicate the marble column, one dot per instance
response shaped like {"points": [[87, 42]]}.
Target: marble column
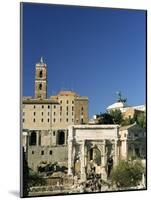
{"points": [[115, 152], [70, 149], [103, 163], [82, 156], [37, 138], [66, 136]]}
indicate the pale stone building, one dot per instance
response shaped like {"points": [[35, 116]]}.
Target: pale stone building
{"points": [[132, 142], [46, 120], [94, 144], [127, 111]]}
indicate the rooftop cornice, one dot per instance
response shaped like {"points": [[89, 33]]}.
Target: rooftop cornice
{"points": [[39, 101]]}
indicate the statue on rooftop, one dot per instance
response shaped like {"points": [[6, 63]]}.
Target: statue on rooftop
{"points": [[119, 97]]}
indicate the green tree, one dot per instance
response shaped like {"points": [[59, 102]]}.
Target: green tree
{"points": [[127, 174], [128, 121], [116, 116], [105, 118], [35, 180], [25, 174], [141, 120]]}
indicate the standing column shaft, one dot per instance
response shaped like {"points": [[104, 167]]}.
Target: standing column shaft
{"points": [[103, 173], [103, 155], [83, 175], [115, 153], [37, 138], [70, 140]]}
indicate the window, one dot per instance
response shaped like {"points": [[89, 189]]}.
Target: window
{"points": [[48, 106], [40, 74], [48, 113], [53, 133], [50, 152], [61, 102], [60, 113], [81, 113], [42, 113], [60, 119], [32, 138], [60, 108], [34, 120], [124, 134], [72, 113], [42, 106], [61, 137], [54, 106], [72, 108], [40, 86], [42, 152], [82, 121], [67, 101], [34, 106], [23, 113], [48, 120], [34, 113], [54, 120], [67, 120], [23, 120], [72, 120], [82, 109], [72, 102], [66, 113], [67, 108], [42, 120], [32, 152], [54, 113], [136, 135]]}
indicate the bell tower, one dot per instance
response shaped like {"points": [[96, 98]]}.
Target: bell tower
{"points": [[41, 80]]}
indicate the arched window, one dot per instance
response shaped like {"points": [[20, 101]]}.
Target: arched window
{"points": [[61, 137], [40, 74], [40, 86], [33, 139]]}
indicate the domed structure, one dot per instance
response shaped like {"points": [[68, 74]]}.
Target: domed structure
{"points": [[117, 105]]}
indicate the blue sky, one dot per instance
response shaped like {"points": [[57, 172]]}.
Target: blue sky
{"points": [[93, 51]]}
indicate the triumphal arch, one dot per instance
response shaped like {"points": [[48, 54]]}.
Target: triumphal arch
{"points": [[89, 147]]}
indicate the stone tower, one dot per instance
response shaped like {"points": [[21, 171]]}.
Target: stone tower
{"points": [[41, 80]]}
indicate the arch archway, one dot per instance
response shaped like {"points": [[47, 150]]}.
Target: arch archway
{"points": [[40, 74], [61, 137], [94, 154], [40, 86], [33, 138]]}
